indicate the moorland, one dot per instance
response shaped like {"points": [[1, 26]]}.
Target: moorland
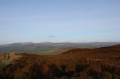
{"points": [[75, 63]]}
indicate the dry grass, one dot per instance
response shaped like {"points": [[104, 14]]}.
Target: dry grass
{"points": [[97, 63]]}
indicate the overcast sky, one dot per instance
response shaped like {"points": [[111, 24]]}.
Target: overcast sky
{"points": [[59, 21]]}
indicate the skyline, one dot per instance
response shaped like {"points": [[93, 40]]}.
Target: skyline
{"points": [[59, 21]]}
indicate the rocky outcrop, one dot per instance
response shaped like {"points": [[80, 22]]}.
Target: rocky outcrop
{"points": [[6, 59]]}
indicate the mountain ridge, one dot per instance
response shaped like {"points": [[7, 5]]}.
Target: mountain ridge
{"points": [[35, 47]]}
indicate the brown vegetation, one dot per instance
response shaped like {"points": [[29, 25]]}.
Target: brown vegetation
{"points": [[85, 63]]}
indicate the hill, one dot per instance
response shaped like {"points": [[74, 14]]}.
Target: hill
{"points": [[76, 63], [47, 46], [114, 47]]}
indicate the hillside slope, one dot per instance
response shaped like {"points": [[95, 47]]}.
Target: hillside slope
{"points": [[77, 63]]}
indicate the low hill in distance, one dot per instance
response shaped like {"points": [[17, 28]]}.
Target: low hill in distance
{"points": [[43, 48], [75, 63]]}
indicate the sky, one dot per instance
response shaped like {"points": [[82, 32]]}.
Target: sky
{"points": [[59, 21]]}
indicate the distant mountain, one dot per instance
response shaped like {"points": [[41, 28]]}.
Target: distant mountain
{"points": [[16, 44], [35, 47]]}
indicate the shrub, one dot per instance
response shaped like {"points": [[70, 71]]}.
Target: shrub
{"points": [[106, 75]]}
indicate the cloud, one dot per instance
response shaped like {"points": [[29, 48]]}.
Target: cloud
{"points": [[51, 36]]}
